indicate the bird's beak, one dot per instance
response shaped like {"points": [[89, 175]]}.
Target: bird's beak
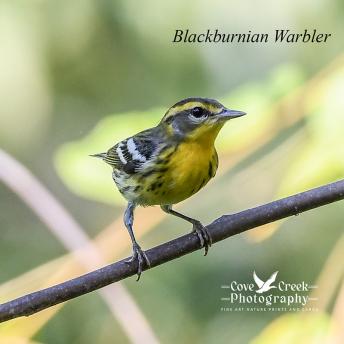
{"points": [[227, 114]]}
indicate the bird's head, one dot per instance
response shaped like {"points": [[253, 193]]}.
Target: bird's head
{"points": [[197, 118]]}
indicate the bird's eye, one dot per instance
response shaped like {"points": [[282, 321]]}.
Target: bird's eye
{"points": [[197, 112]]}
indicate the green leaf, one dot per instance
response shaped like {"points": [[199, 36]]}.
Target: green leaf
{"points": [[321, 157], [90, 177], [296, 328]]}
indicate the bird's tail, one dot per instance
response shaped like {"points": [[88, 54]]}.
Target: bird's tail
{"points": [[99, 155]]}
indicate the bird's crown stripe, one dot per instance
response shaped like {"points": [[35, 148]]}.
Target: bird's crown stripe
{"points": [[190, 105]]}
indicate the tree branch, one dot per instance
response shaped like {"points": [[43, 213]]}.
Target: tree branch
{"points": [[222, 228]]}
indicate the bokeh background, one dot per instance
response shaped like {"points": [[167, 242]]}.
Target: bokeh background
{"points": [[77, 76]]}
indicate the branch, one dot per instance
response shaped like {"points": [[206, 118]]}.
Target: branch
{"points": [[73, 237], [222, 228]]}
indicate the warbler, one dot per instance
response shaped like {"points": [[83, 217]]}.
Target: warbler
{"points": [[168, 163]]}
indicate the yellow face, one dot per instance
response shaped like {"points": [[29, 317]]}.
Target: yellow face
{"points": [[198, 119]]}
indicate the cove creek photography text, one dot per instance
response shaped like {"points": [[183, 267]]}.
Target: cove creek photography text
{"points": [[268, 295], [279, 36]]}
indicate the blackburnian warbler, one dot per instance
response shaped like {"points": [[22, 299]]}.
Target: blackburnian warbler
{"points": [[166, 164]]}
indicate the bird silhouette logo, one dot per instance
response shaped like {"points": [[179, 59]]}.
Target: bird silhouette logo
{"points": [[264, 286]]}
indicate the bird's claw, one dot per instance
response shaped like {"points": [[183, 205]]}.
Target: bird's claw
{"points": [[140, 256], [203, 236]]}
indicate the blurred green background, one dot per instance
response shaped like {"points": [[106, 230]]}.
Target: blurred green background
{"points": [[78, 76]]}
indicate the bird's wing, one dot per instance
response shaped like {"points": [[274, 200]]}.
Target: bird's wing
{"points": [[134, 153], [258, 281], [271, 279]]}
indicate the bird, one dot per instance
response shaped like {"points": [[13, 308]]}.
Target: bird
{"points": [[168, 163], [264, 286]]}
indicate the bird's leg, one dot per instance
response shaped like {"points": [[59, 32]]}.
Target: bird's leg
{"points": [[197, 227], [138, 253]]}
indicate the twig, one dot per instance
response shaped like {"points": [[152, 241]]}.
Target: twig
{"points": [[61, 223], [223, 227]]}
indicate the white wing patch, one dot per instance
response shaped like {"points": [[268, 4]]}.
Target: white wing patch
{"points": [[132, 149], [120, 154]]}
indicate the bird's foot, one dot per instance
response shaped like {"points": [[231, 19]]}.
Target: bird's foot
{"points": [[203, 236], [140, 256]]}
